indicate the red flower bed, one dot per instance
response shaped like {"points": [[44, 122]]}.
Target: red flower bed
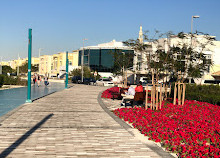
{"points": [[108, 92], [191, 130]]}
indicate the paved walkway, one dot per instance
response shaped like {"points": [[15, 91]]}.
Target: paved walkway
{"points": [[69, 123]]}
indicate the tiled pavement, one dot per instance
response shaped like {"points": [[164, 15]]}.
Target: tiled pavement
{"points": [[69, 123]]}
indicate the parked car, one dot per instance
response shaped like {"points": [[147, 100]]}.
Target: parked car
{"points": [[76, 79], [212, 82], [89, 81], [104, 82]]}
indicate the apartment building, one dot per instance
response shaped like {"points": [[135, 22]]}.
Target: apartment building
{"points": [[54, 65], [211, 51], [45, 65]]}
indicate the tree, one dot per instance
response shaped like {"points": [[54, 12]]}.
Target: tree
{"points": [[24, 68], [87, 73], [123, 60], [191, 59], [7, 69], [185, 55]]}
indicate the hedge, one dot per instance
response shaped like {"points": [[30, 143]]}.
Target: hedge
{"points": [[11, 80], [1, 80], [205, 93]]}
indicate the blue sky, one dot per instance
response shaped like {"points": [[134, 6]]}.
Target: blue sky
{"points": [[60, 25]]}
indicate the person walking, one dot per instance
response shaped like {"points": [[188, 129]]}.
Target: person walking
{"points": [[34, 79], [38, 80], [46, 83]]}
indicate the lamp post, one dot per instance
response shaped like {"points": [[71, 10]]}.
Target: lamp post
{"points": [[18, 65], [1, 66], [82, 60], [40, 49], [195, 16], [29, 66], [67, 66]]}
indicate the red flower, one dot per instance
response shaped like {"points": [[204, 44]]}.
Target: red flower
{"points": [[192, 130]]}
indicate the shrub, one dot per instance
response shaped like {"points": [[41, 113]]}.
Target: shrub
{"points": [[1, 80], [11, 80], [204, 93]]}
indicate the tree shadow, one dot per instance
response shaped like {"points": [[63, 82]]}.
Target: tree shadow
{"points": [[12, 147]]}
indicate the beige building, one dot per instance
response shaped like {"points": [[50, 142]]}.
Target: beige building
{"points": [[19, 62], [5, 63], [54, 65], [50, 65], [45, 65]]}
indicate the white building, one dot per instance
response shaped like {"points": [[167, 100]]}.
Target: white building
{"points": [[100, 57], [212, 52]]}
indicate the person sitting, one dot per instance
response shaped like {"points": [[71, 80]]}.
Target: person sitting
{"points": [[139, 87], [129, 94]]}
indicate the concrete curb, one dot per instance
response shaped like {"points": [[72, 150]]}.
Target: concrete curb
{"points": [[134, 132]]}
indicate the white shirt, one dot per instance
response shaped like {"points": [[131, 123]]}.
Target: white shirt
{"points": [[131, 91]]}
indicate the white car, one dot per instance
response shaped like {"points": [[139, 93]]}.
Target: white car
{"points": [[104, 82]]}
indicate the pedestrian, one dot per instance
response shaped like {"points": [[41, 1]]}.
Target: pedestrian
{"points": [[38, 80], [46, 81], [34, 79]]}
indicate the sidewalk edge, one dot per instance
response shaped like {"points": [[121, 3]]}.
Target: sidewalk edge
{"points": [[134, 132]]}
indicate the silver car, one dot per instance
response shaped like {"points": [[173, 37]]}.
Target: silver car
{"points": [[104, 82]]}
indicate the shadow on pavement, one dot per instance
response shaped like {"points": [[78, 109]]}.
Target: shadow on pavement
{"points": [[7, 151]]}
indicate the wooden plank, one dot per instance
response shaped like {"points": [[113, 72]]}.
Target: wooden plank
{"points": [[174, 98], [156, 90], [146, 98], [170, 90], [161, 96], [165, 86], [178, 93], [151, 99], [152, 90], [181, 92], [184, 92]]}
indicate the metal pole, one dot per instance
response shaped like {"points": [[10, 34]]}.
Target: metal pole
{"points": [[1, 66], [29, 66], [82, 60], [39, 51], [39, 60], [82, 56], [67, 66], [195, 16], [191, 24], [18, 65]]}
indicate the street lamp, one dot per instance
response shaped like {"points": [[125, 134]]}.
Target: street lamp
{"points": [[82, 56], [18, 65], [195, 16], [1, 65], [40, 49]]}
